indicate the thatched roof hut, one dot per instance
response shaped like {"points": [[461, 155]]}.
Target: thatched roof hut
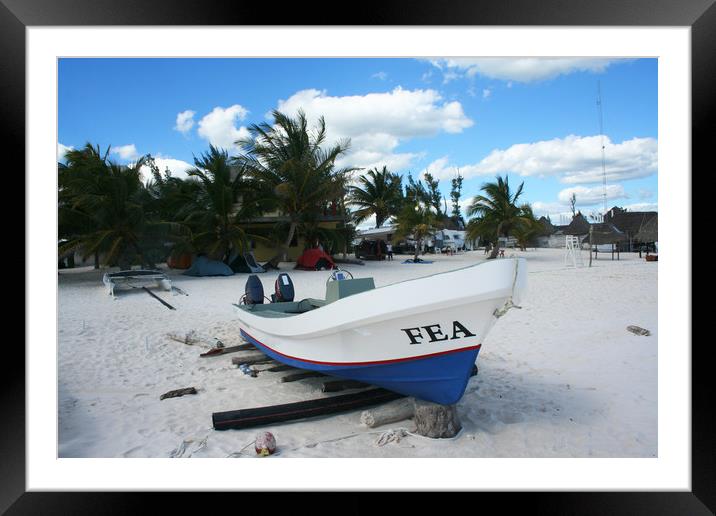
{"points": [[630, 222], [605, 233], [578, 226], [547, 227], [649, 232]]}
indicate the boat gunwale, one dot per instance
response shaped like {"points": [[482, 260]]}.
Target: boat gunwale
{"points": [[255, 321]]}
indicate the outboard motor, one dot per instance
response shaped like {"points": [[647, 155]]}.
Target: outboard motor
{"points": [[254, 291], [284, 289]]}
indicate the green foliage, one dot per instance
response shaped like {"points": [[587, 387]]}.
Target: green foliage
{"points": [[496, 213], [527, 228], [432, 188], [287, 160], [379, 193], [102, 208], [416, 192], [455, 193], [416, 221], [220, 198]]}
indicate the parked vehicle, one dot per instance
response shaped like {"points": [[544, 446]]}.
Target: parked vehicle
{"points": [[371, 250]]}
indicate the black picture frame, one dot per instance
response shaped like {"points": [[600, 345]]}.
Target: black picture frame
{"points": [[700, 15]]}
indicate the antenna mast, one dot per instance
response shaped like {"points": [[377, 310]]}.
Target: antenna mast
{"points": [[601, 135]]}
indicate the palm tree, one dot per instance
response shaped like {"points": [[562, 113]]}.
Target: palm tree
{"points": [[527, 229], [379, 193], [171, 197], [496, 212], [73, 221], [288, 159], [107, 201], [416, 221], [213, 214]]}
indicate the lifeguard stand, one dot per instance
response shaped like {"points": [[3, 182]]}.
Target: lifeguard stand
{"points": [[572, 252]]}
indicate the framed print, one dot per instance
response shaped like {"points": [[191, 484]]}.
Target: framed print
{"points": [[152, 87]]}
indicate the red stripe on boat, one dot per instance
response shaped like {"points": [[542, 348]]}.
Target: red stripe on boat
{"points": [[393, 361]]}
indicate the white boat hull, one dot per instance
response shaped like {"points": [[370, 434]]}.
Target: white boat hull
{"points": [[418, 337]]}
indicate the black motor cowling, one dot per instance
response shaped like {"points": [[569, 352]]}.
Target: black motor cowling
{"points": [[284, 289], [254, 291]]}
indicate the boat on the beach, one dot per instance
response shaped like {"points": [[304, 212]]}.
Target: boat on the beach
{"points": [[419, 337], [135, 278]]}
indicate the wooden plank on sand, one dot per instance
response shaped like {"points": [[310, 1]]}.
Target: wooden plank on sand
{"points": [[178, 392], [264, 416], [255, 358], [301, 376], [158, 298], [341, 385], [281, 367], [229, 349]]}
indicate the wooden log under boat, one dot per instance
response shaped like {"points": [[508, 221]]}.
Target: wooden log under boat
{"points": [[264, 416]]}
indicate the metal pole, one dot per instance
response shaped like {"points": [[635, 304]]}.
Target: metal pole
{"points": [[590, 245]]}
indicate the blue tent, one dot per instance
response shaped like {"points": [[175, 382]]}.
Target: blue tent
{"points": [[245, 263], [203, 266]]}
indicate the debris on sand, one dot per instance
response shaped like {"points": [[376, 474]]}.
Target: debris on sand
{"points": [[637, 330], [178, 392]]}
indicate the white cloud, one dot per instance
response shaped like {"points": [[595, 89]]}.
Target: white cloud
{"points": [[219, 126], [377, 123], [574, 159], [440, 169], [642, 206], [185, 121], [591, 196], [645, 193], [380, 75], [450, 76], [126, 152], [557, 212], [62, 150], [486, 93], [177, 167], [523, 69]]}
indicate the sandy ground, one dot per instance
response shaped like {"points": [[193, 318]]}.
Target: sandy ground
{"points": [[559, 378]]}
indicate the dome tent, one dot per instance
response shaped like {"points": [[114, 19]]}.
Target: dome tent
{"points": [[203, 266], [245, 263], [314, 260]]}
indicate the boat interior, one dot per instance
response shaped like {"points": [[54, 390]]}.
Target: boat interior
{"points": [[282, 304]]}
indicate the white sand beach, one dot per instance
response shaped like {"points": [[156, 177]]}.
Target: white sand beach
{"points": [[562, 377]]}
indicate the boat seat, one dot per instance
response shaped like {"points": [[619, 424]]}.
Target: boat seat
{"points": [[336, 290]]}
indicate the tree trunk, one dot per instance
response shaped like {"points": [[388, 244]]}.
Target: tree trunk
{"points": [[436, 421], [417, 246], [390, 412], [496, 249], [96, 260], [283, 250]]}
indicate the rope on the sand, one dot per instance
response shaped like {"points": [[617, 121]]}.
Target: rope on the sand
{"points": [[385, 437], [178, 452], [233, 455]]}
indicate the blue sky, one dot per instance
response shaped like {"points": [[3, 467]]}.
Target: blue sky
{"points": [[535, 120]]}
